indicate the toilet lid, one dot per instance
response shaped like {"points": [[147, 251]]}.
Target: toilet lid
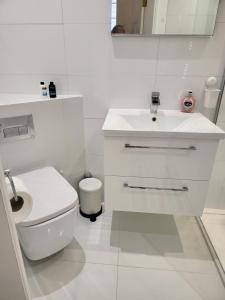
{"points": [[52, 195]]}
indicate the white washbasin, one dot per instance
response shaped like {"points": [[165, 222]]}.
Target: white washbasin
{"points": [[168, 123]]}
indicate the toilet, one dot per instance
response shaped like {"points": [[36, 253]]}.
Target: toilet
{"points": [[50, 225]]}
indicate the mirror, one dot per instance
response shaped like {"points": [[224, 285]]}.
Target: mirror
{"points": [[163, 17]]}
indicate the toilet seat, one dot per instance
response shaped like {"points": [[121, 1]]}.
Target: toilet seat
{"points": [[52, 195]]}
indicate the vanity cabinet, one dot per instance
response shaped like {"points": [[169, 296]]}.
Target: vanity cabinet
{"points": [[158, 167], [166, 176], [159, 158], [154, 195]]}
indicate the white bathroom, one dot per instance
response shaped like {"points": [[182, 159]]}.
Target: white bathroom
{"points": [[112, 149]]}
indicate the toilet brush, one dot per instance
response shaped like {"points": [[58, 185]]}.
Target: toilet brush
{"points": [[17, 201]]}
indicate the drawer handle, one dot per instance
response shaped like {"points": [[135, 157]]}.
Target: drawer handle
{"points": [[183, 189], [155, 147]]}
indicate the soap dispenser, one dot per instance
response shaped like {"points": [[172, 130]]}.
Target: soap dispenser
{"points": [[188, 103]]}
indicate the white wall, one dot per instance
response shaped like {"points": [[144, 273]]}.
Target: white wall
{"points": [[59, 143], [13, 284], [216, 194], [69, 41]]}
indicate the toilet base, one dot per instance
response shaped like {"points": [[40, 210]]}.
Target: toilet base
{"points": [[42, 240], [92, 217]]}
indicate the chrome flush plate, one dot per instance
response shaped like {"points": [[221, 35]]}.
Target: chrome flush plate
{"points": [[16, 128]]}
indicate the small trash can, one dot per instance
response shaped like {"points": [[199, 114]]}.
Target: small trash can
{"points": [[90, 198]]}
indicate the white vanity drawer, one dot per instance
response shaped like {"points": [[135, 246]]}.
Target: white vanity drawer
{"points": [[151, 195], [159, 158]]}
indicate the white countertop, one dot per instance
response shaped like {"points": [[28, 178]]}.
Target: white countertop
{"points": [[11, 99], [169, 123]]}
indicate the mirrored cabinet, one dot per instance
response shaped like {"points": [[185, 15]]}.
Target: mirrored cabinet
{"points": [[163, 17]]}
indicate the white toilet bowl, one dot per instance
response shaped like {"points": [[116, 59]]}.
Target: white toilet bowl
{"points": [[50, 225]]}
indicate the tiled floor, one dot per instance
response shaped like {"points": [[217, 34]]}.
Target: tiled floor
{"points": [[214, 223], [128, 256]]}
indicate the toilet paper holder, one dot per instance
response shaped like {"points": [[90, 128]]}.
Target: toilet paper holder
{"points": [[17, 201]]}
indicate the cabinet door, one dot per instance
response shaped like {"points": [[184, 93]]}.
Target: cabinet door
{"points": [[151, 195], [160, 158]]}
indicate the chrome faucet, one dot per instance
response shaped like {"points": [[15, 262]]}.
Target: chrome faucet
{"points": [[155, 102]]}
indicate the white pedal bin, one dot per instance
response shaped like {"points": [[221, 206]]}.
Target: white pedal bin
{"points": [[90, 198]]}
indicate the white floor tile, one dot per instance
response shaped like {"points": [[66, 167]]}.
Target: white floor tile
{"points": [[144, 284], [214, 218], [93, 242], [215, 227], [161, 257], [163, 242], [55, 279]]}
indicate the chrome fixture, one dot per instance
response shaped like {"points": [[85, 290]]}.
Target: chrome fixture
{"points": [[155, 102], [7, 174], [191, 148], [183, 189], [16, 128]]}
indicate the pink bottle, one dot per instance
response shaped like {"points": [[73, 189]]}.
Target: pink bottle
{"points": [[188, 103]]}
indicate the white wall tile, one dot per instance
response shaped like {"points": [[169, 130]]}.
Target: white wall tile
{"points": [[32, 49], [30, 84], [193, 56], [207, 54], [94, 164], [96, 92], [93, 136], [30, 11], [131, 91], [215, 197], [87, 49], [133, 56], [173, 55], [80, 11], [73, 139], [220, 156]]}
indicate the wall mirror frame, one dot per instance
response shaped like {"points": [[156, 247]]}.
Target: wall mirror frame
{"points": [[163, 17]]}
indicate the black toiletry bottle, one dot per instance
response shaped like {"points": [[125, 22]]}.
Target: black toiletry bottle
{"points": [[52, 90]]}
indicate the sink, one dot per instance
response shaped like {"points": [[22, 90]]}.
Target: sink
{"points": [[167, 123], [158, 163]]}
